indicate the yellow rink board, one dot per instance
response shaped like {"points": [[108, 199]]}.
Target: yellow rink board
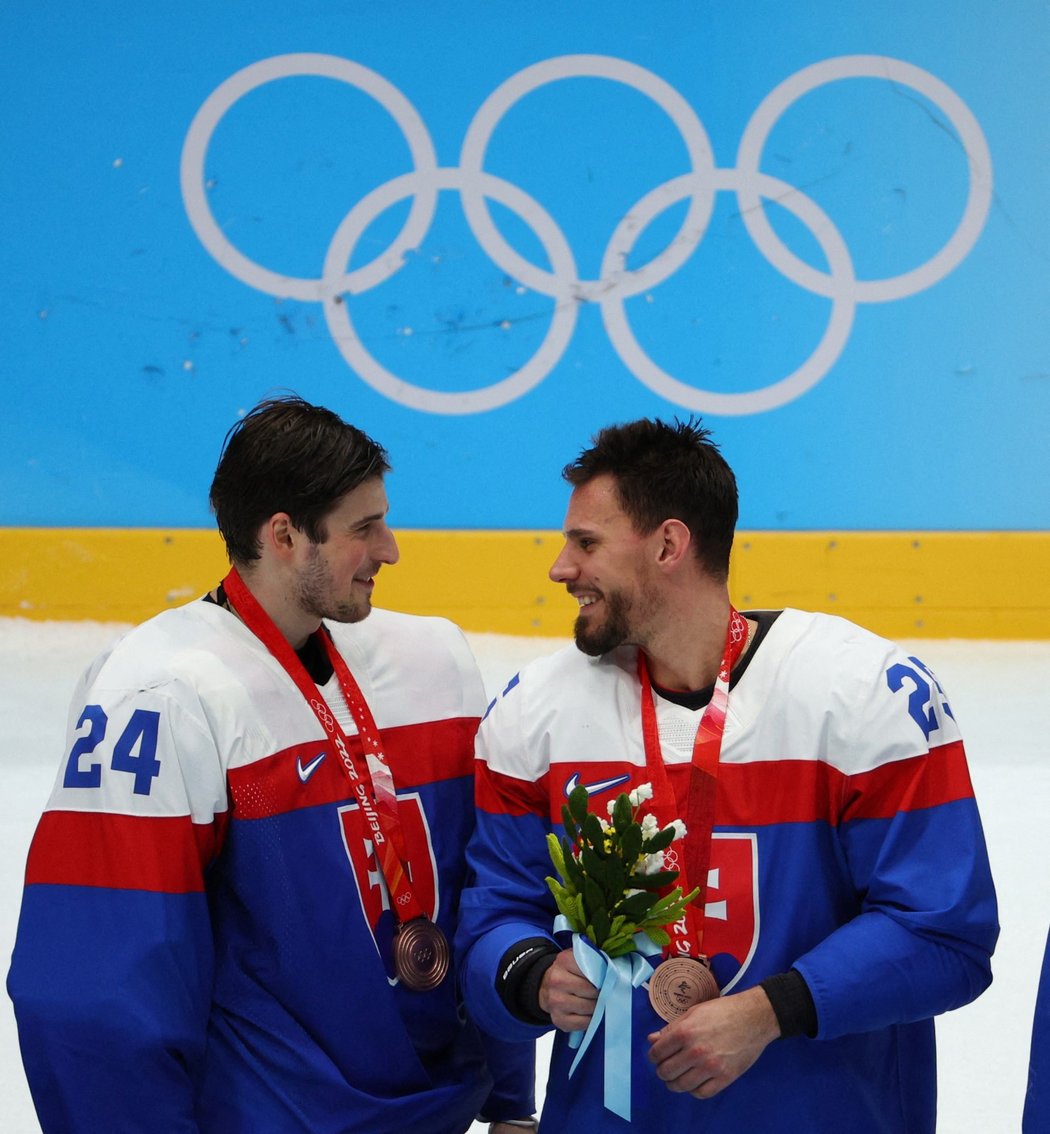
{"points": [[900, 584]]}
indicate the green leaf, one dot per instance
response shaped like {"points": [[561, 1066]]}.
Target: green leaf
{"points": [[565, 903], [578, 917], [578, 803], [600, 927], [593, 833], [657, 935], [632, 844], [622, 814], [655, 881], [660, 841], [599, 870], [676, 898], [617, 941], [617, 874], [636, 906], [593, 898], [573, 873], [670, 909], [554, 849]]}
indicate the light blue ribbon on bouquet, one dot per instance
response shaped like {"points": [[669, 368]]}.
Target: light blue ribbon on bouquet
{"points": [[615, 978]]}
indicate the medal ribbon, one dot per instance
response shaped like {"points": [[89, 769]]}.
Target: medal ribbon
{"points": [[687, 935], [373, 785]]}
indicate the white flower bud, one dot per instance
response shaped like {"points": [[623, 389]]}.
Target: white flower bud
{"points": [[641, 794], [650, 826], [679, 830], [651, 863]]}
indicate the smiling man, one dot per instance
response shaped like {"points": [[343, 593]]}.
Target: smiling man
{"points": [[239, 899], [845, 894]]}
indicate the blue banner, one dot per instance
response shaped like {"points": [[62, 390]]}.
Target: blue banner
{"points": [[483, 231]]}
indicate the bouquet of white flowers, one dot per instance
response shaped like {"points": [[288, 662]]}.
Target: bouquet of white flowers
{"points": [[612, 872]]}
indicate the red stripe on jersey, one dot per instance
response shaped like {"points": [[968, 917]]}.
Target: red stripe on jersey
{"points": [[507, 795], [775, 791], [307, 775], [909, 785], [804, 791], [760, 793], [164, 854]]}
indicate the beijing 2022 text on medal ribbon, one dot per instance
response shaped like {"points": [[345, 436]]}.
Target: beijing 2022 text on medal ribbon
{"points": [[420, 949], [684, 977]]}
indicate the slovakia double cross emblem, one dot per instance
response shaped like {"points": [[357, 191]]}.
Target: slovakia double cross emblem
{"points": [[731, 916], [371, 885]]}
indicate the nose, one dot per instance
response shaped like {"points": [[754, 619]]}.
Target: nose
{"points": [[387, 550], [563, 570]]}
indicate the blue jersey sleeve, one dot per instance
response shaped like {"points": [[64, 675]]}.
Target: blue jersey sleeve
{"points": [[509, 900], [111, 998], [111, 973], [913, 846], [1037, 1097]]}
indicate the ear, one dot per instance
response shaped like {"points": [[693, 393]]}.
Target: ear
{"points": [[279, 536], [675, 542]]}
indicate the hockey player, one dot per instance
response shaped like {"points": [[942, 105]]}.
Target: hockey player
{"points": [[1036, 1116], [239, 899], [846, 897]]}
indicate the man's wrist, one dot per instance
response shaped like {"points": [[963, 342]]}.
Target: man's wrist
{"points": [[792, 1004], [520, 972]]}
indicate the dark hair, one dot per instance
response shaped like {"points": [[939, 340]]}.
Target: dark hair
{"points": [[664, 472], [287, 455]]}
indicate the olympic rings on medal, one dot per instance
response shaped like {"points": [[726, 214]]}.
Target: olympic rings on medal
{"points": [[560, 282]]}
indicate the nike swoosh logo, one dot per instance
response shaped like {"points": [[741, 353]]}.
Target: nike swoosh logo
{"points": [[573, 783], [306, 771]]}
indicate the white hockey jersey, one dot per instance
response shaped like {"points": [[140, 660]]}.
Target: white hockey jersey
{"points": [[847, 845]]}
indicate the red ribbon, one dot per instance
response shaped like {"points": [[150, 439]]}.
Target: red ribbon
{"points": [[687, 934], [372, 783]]}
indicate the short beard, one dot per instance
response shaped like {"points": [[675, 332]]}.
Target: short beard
{"points": [[311, 588], [609, 634]]}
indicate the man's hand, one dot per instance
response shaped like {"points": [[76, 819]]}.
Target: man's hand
{"points": [[566, 995], [714, 1043]]}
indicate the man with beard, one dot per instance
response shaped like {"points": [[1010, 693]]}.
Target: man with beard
{"points": [[239, 899], [845, 895]]}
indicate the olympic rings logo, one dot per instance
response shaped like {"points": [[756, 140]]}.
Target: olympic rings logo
{"points": [[323, 715], [839, 283]]}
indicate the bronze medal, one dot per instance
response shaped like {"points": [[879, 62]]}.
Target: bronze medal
{"points": [[421, 954], [680, 982]]}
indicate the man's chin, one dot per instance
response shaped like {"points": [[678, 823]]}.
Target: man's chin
{"points": [[350, 614], [594, 643]]}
